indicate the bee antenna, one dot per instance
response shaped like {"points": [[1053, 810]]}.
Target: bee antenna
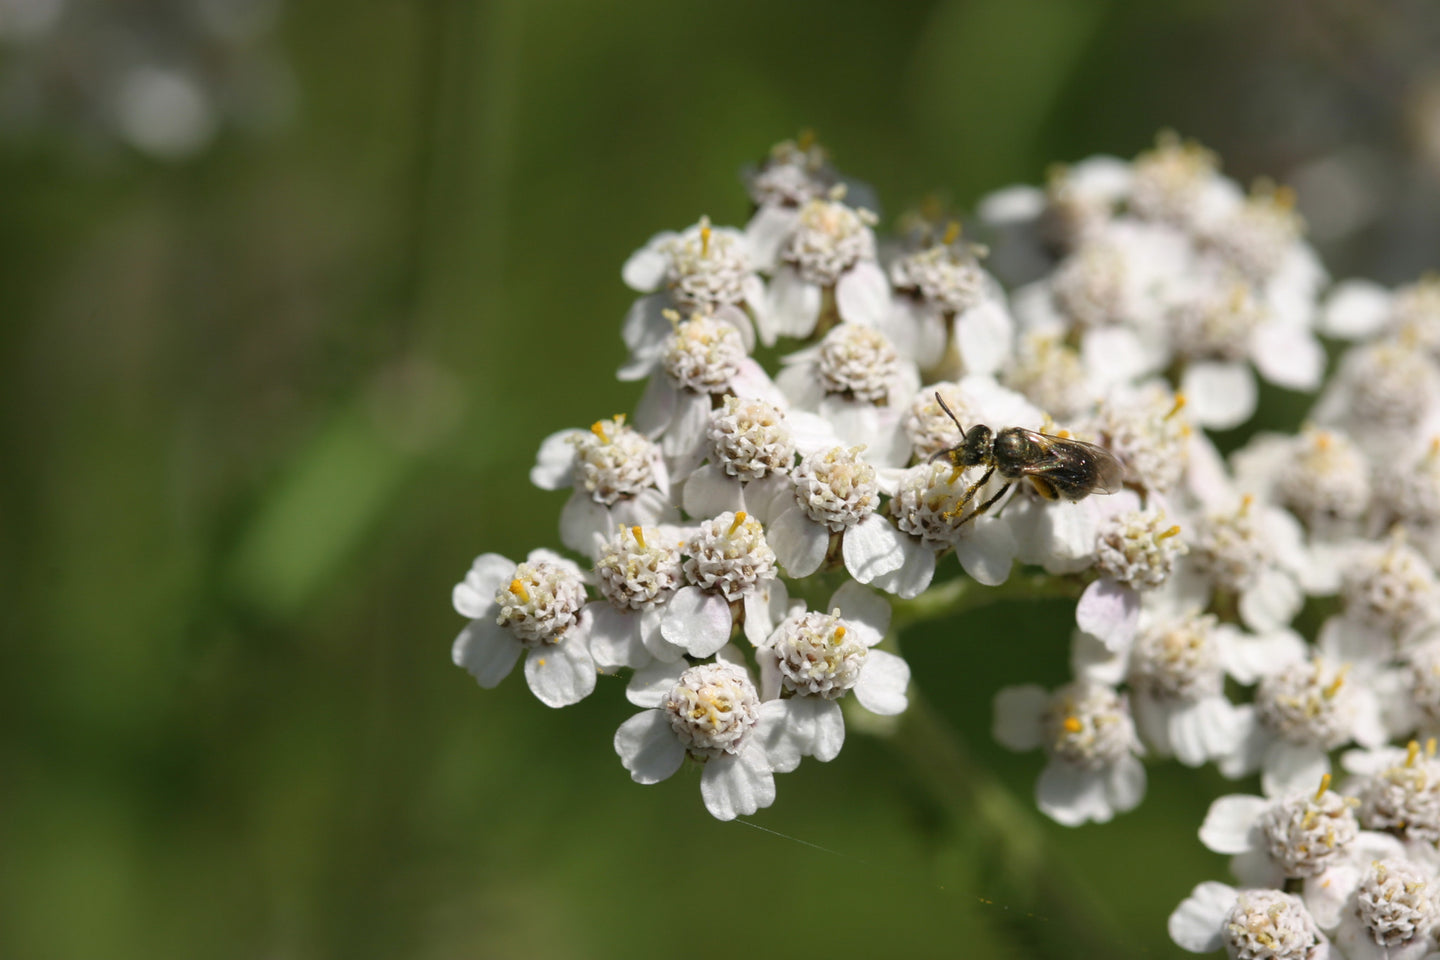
{"points": [[950, 413]]}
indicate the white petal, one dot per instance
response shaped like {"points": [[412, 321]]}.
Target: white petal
{"points": [[988, 552], [474, 596], [615, 637], [1018, 713], [1256, 868], [862, 294], [555, 463], [645, 328], [1271, 602], [1204, 730], [685, 437], [648, 508], [697, 621], [799, 542], [810, 431], [1252, 741], [563, 673], [1325, 897], [651, 684], [767, 230], [1230, 821], [584, 524], [1292, 768], [915, 573], [984, 334], [1247, 658], [1018, 204], [1125, 784], [1092, 660], [767, 497], [792, 306], [1198, 924], [1219, 395], [645, 268], [737, 784], [1072, 796], [710, 491], [648, 747], [867, 612], [1288, 356], [778, 731], [872, 548], [1115, 355], [656, 407], [1357, 309], [758, 621], [1109, 611], [487, 650], [812, 727], [881, 686]]}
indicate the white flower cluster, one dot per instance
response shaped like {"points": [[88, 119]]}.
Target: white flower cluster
{"points": [[1051, 435]]}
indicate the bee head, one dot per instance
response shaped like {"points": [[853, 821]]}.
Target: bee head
{"points": [[977, 447]]}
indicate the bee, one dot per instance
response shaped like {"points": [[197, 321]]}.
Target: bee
{"points": [[1058, 468]]}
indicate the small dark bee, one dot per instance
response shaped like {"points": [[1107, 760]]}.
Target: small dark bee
{"points": [[1057, 467]]}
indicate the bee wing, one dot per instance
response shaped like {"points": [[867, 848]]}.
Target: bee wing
{"points": [[1075, 467]]}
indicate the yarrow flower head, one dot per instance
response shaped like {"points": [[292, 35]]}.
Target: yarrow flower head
{"points": [[730, 563], [535, 607], [637, 571], [1088, 734], [712, 713], [1249, 924]]}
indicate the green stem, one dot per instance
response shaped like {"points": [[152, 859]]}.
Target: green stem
{"points": [[963, 594], [982, 806]]}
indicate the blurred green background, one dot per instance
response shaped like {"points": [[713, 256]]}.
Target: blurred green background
{"points": [[262, 406]]}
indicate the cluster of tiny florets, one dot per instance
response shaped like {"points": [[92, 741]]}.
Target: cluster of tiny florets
{"points": [[846, 432]]}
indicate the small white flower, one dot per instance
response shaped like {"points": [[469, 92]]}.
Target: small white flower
{"points": [[835, 492], [729, 562], [1391, 588], [1093, 770], [855, 379], [1254, 553], [1258, 235], [831, 248], [1176, 672], [1383, 394], [619, 479], [1399, 793], [929, 519], [1325, 480], [1393, 912], [1144, 428], [1179, 183], [712, 713], [791, 175], [1135, 550], [1300, 714], [815, 659], [1249, 924], [949, 315], [537, 608], [638, 570], [1050, 375]]}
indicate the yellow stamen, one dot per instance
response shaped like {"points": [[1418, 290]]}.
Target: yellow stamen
{"points": [[1412, 753], [1180, 402], [1335, 685], [1072, 725], [704, 236], [839, 633], [1246, 502], [517, 587], [1435, 446], [1172, 532], [806, 139], [639, 535], [598, 428], [739, 519], [1430, 747], [952, 232], [673, 316], [540, 662], [1324, 785]]}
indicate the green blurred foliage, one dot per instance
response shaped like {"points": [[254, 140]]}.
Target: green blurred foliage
{"points": [[260, 412]]}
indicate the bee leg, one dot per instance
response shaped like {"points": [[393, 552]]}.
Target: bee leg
{"points": [[989, 503], [964, 501]]}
